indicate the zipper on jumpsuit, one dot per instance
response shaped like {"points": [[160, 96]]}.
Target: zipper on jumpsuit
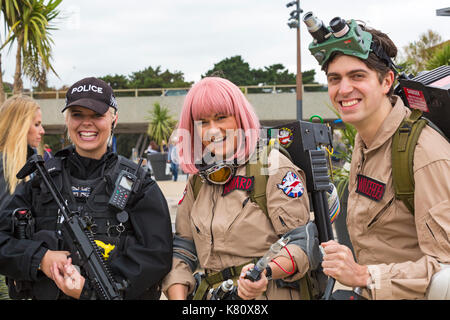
{"points": [[214, 201]]}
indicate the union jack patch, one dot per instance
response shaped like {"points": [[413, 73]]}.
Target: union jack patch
{"points": [[291, 185], [81, 192]]}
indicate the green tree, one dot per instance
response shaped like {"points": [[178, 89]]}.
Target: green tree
{"points": [[234, 69], [441, 57], [308, 76], [29, 27], [417, 53], [116, 81], [161, 124], [240, 73], [274, 74], [155, 78], [7, 9]]}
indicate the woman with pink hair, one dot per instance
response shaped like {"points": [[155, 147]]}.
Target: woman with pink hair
{"points": [[214, 105], [218, 227]]}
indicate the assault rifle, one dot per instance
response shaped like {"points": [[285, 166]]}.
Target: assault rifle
{"points": [[77, 237]]}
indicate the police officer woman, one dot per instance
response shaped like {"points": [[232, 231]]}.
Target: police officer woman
{"points": [[218, 224], [136, 244], [397, 251]]}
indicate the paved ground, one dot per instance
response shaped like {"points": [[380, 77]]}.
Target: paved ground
{"points": [[173, 191]]}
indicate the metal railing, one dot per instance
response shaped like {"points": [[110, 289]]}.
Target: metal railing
{"points": [[141, 92]]}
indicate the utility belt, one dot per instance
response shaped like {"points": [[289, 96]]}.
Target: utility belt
{"points": [[206, 281]]}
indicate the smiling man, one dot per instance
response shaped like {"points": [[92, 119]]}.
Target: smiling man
{"points": [[399, 254]]}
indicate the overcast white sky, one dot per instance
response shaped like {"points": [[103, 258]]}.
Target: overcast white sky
{"points": [[119, 37]]}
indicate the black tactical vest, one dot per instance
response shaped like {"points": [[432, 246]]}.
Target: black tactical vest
{"points": [[89, 198]]}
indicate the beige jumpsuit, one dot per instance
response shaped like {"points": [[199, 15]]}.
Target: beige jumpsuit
{"points": [[229, 230], [403, 250]]}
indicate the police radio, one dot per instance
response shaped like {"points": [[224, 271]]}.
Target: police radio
{"points": [[123, 188]]}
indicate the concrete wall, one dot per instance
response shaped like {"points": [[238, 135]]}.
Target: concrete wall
{"points": [[133, 111]]}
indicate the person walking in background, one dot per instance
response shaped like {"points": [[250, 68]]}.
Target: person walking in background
{"points": [[47, 152], [152, 148], [171, 157]]}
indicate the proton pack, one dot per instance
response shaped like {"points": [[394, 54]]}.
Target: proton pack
{"points": [[429, 92], [428, 97]]}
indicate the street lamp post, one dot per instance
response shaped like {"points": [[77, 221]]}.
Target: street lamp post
{"points": [[294, 23]]}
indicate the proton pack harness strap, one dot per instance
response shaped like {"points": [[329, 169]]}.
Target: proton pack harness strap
{"points": [[213, 278], [258, 170], [258, 193], [403, 145]]}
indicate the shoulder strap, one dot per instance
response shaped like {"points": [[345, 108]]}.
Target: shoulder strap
{"points": [[403, 146], [256, 169], [258, 193], [196, 184]]}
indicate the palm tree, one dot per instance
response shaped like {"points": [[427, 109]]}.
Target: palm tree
{"points": [[7, 8], [161, 124], [441, 57], [29, 26]]}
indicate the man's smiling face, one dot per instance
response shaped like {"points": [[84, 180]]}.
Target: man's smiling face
{"points": [[355, 90]]}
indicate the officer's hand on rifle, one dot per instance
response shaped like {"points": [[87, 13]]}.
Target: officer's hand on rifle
{"points": [[338, 262], [249, 290], [68, 279], [50, 257]]}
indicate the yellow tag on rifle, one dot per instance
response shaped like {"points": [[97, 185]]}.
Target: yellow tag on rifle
{"points": [[107, 248]]}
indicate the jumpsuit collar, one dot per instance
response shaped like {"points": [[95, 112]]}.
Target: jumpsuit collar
{"points": [[387, 128]]}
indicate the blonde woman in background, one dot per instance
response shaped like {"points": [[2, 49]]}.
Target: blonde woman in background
{"points": [[20, 131]]}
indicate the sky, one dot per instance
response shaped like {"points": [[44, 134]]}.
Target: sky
{"points": [[101, 37]]}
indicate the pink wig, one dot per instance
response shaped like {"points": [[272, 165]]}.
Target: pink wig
{"points": [[213, 95]]}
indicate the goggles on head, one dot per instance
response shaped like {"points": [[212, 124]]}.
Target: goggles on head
{"points": [[217, 173], [344, 36]]}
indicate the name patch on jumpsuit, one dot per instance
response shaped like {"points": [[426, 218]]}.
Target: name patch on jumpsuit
{"points": [[238, 182], [370, 188]]}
